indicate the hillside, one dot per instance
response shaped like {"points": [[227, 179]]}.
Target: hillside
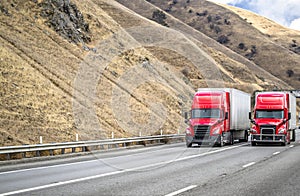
{"points": [[266, 43], [103, 66]]}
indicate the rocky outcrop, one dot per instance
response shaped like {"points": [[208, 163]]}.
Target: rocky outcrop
{"points": [[66, 19]]}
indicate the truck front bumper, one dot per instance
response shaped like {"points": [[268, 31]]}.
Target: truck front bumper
{"points": [[208, 140], [272, 138]]}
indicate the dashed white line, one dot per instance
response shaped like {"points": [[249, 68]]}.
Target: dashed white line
{"points": [[249, 164], [77, 163], [60, 183], [182, 190], [46, 167], [116, 172], [291, 146], [275, 153]]}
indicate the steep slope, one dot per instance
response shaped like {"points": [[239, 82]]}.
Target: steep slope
{"points": [[97, 67], [276, 32], [274, 54], [225, 57], [53, 88]]}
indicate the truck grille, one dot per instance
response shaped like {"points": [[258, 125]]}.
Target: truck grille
{"points": [[267, 129], [201, 131]]}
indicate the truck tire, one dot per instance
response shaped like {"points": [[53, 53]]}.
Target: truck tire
{"points": [[189, 145], [246, 135], [285, 141], [231, 139], [293, 136], [245, 139], [221, 143], [253, 143]]}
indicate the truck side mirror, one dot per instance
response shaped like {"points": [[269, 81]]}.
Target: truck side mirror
{"points": [[289, 116], [253, 121], [226, 115], [186, 116]]}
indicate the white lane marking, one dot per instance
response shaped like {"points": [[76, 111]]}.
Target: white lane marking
{"points": [[249, 164], [275, 153], [60, 183], [291, 146], [115, 172], [46, 167], [81, 162], [182, 190]]}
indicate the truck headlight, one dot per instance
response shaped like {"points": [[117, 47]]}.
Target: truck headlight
{"points": [[216, 131], [188, 132], [253, 131], [281, 131]]}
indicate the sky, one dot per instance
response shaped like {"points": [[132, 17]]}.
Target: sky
{"points": [[284, 12]]}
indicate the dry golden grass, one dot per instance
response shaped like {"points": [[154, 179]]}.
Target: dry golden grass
{"points": [[272, 42], [56, 89]]}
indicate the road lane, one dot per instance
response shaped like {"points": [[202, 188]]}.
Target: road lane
{"points": [[156, 170], [42, 176], [279, 175], [171, 176]]}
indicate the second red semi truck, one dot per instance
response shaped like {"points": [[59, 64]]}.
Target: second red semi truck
{"points": [[218, 116], [275, 118]]}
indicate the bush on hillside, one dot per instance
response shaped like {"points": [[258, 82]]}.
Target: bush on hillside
{"points": [[290, 72], [223, 39], [159, 17]]}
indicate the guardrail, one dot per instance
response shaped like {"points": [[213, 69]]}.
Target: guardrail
{"points": [[83, 146]]}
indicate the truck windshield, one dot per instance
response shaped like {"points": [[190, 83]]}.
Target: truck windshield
{"points": [[206, 113], [277, 114]]}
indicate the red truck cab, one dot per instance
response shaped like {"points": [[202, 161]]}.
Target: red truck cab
{"points": [[272, 114], [213, 120]]}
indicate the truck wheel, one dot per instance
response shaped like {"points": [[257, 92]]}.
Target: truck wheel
{"points": [[283, 144], [246, 136], [231, 139], [293, 136], [189, 145], [221, 144], [245, 139], [253, 143]]}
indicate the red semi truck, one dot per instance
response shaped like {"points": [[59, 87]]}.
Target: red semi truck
{"points": [[274, 118], [218, 116]]}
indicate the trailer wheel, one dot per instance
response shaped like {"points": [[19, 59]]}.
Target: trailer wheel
{"points": [[245, 139], [293, 136], [231, 139], [246, 135]]}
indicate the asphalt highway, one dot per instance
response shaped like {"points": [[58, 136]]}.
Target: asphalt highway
{"points": [[172, 169]]}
